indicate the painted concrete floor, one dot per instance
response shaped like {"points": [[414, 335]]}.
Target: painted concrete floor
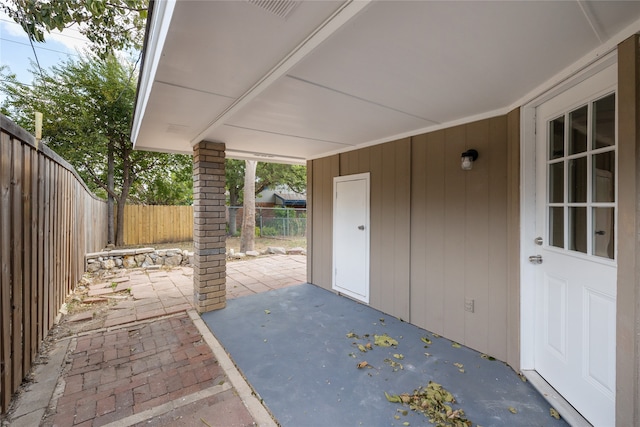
{"points": [[292, 346]]}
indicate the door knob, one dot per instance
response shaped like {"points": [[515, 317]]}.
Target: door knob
{"points": [[535, 259], [361, 227]]}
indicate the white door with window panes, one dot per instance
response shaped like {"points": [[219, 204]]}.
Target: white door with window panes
{"points": [[575, 320]]}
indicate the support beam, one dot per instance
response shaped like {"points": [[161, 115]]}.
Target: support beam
{"points": [[209, 235]]}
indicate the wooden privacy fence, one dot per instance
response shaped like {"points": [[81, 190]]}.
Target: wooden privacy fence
{"points": [[145, 224], [49, 220]]}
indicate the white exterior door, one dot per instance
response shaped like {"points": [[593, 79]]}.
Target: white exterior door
{"points": [[575, 294], [351, 236]]}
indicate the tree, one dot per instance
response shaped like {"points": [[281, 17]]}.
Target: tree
{"points": [[110, 25], [234, 174], [247, 237], [87, 106]]}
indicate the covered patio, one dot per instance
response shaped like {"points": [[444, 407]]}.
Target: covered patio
{"points": [[529, 252]]}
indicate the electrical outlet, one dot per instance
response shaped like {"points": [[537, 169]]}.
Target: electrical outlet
{"points": [[469, 305]]}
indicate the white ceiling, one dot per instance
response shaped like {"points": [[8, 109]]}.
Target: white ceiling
{"points": [[335, 75]]}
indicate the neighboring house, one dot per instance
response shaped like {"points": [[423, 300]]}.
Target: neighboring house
{"points": [[282, 196], [532, 256]]}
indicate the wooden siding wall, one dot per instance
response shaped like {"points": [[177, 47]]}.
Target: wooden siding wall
{"points": [[157, 224], [390, 168], [48, 221], [628, 292], [321, 243], [439, 235]]}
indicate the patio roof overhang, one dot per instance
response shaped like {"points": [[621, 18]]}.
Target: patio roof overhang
{"points": [[287, 81]]}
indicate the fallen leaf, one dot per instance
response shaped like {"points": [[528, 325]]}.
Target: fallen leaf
{"points": [[427, 354], [397, 417], [554, 413], [426, 340], [398, 356], [434, 402], [461, 370], [435, 335], [368, 346], [406, 423], [456, 345], [352, 355], [395, 365], [523, 378], [384, 340], [392, 398], [352, 335], [363, 364], [486, 356], [458, 365], [267, 312], [513, 410], [362, 348]]}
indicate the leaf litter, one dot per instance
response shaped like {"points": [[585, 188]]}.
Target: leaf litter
{"points": [[435, 403], [384, 340]]}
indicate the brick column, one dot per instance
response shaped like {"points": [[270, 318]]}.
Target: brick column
{"points": [[209, 227]]}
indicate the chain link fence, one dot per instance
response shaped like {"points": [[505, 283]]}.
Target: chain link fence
{"points": [[270, 221]]}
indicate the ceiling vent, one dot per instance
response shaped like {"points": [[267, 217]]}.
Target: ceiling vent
{"points": [[281, 8]]}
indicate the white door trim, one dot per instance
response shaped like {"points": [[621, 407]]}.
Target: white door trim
{"points": [[364, 296], [528, 228]]}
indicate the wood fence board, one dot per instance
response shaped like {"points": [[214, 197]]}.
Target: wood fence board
{"points": [[48, 222], [16, 269], [5, 275], [27, 265], [157, 224]]}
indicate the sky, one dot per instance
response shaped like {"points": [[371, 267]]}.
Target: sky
{"points": [[16, 51]]}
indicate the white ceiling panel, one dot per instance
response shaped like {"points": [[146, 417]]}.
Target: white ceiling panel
{"points": [[295, 108], [177, 117], [406, 57], [225, 47], [247, 143], [333, 76]]}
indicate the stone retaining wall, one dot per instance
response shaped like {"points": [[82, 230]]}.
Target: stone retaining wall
{"points": [[134, 258]]}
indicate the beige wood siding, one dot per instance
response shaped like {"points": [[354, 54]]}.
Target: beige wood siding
{"points": [[513, 239], [628, 293], [439, 235], [320, 246], [389, 165], [459, 235]]}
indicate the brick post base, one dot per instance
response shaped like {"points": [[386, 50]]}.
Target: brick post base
{"points": [[209, 227]]}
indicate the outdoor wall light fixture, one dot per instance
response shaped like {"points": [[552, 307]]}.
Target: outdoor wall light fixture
{"points": [[467, 158]]}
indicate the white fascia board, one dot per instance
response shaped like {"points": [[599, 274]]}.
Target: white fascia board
{"points": [[160, 21]]}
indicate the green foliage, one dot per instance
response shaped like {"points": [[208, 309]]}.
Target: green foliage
{"points": [[269, 232], [87, 106], [109, 25], [169, 184]]}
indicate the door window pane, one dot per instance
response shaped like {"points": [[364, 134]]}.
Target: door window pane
{"points": [[578, 131], [604, 183], [578, 180], [603, 232], [556, 138], [604, 122], [556, 182], [556, 227], [578, 229]]}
